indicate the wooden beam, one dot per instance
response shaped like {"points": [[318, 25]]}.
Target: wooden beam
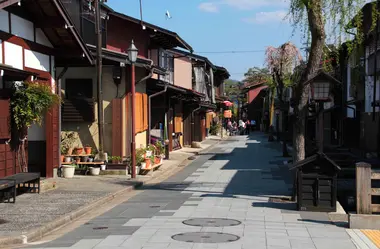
{"points": [[7, 3], [52, 23], [363, 188], [375, 208], [375, 175]]}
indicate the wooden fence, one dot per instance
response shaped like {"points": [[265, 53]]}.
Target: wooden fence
{"points": [[364, 191]]}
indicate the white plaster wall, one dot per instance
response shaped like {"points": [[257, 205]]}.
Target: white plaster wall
{"points": [[37, 60], [1, 52], [369, 84], [37, 132], [22, 28], [350, 111], [42, 39], [4, 22], [13, 55]]}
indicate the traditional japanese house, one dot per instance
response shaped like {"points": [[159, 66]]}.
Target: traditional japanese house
{"points": [[36, 37]]}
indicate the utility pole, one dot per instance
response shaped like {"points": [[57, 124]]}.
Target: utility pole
{"points": [[99, 64]]}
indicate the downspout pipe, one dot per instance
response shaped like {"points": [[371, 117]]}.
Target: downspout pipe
{"points": [[150, 110], [192, 122], [59, 89]]}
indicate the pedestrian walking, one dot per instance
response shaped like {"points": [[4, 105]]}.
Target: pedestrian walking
{"points": [[247, 127]]}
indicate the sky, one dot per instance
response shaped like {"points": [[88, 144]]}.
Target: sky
{"points": [[214, 27]]}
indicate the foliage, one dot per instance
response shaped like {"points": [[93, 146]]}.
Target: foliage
{"points": [[151, 147], [140, 156], [160, 148], [29, 103], [256, 75], [280, 62], [116, 159], [68, 139], [214, 129]]}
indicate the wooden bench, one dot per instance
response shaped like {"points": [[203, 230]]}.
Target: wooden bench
{"points": [[151, 169], [10, 184]]}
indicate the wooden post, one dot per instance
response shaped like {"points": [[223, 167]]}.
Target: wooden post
{"points": [[363, 188]]}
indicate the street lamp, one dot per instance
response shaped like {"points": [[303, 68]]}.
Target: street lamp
{"points": [[132, 57], [320, 89]]}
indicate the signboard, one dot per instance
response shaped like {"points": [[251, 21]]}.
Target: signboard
{"points": [[227, 114]]}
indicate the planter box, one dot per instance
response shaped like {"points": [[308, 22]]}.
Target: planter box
{"points": [[117, 166]]}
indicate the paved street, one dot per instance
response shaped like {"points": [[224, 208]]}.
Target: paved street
{"points": [[221, 200]]}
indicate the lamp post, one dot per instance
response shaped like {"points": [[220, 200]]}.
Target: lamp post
{"points": [[277, 112], [132, 56], [320, 93]]}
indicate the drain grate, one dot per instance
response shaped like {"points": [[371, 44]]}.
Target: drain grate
{"points": [[211, 222], [100, 228], [280, 200], [205, 237]]}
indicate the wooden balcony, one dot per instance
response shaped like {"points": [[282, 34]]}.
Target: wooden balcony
{"points": [[78, 110]]}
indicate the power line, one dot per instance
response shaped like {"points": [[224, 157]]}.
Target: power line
{"points": [[231, 52]]}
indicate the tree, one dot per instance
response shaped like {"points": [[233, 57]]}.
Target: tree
{"points": [[317, 14], [256, 75], [280, 62]]}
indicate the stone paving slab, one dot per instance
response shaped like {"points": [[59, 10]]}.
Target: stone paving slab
{"points": [[32, 211], [236, 186]]}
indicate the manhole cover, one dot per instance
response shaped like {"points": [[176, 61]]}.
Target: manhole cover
{"points": [[206, 237], [211, 222], [100, 228]]}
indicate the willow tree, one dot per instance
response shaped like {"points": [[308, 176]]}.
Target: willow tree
{"points": [[281, 62], [319, 19]]}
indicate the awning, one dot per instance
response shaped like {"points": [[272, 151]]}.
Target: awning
{"points": [[253, 93], [174, 91], [228, 103], [14, 73], [166, 38], [119, 56]]}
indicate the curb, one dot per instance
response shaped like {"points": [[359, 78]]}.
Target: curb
{"points": [[45, 229], [42, 231]]}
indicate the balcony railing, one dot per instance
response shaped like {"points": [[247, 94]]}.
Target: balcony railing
{"points": [[168, 77]]}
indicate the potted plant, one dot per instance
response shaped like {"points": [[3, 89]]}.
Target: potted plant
{"points": [[87, 149], [95, 171], [63, 153], [68, 171], [77, 159], [28, 104], [67, 140], [79, 150], [160, 150], [149, 150], [140, 158]]}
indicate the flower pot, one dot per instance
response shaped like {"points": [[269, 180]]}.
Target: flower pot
{"points": [[79, 151], [90, 159], [143, 165], [157, 160], [103, 167], [68, 171], [148, 163], [84, 159], [87, 150], [62, 158], [77, 159], [68, 159], [94, 171], [148, 153], [138, 169]]}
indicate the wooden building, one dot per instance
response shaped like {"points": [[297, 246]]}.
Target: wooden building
{"points": [[35, 38]]}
